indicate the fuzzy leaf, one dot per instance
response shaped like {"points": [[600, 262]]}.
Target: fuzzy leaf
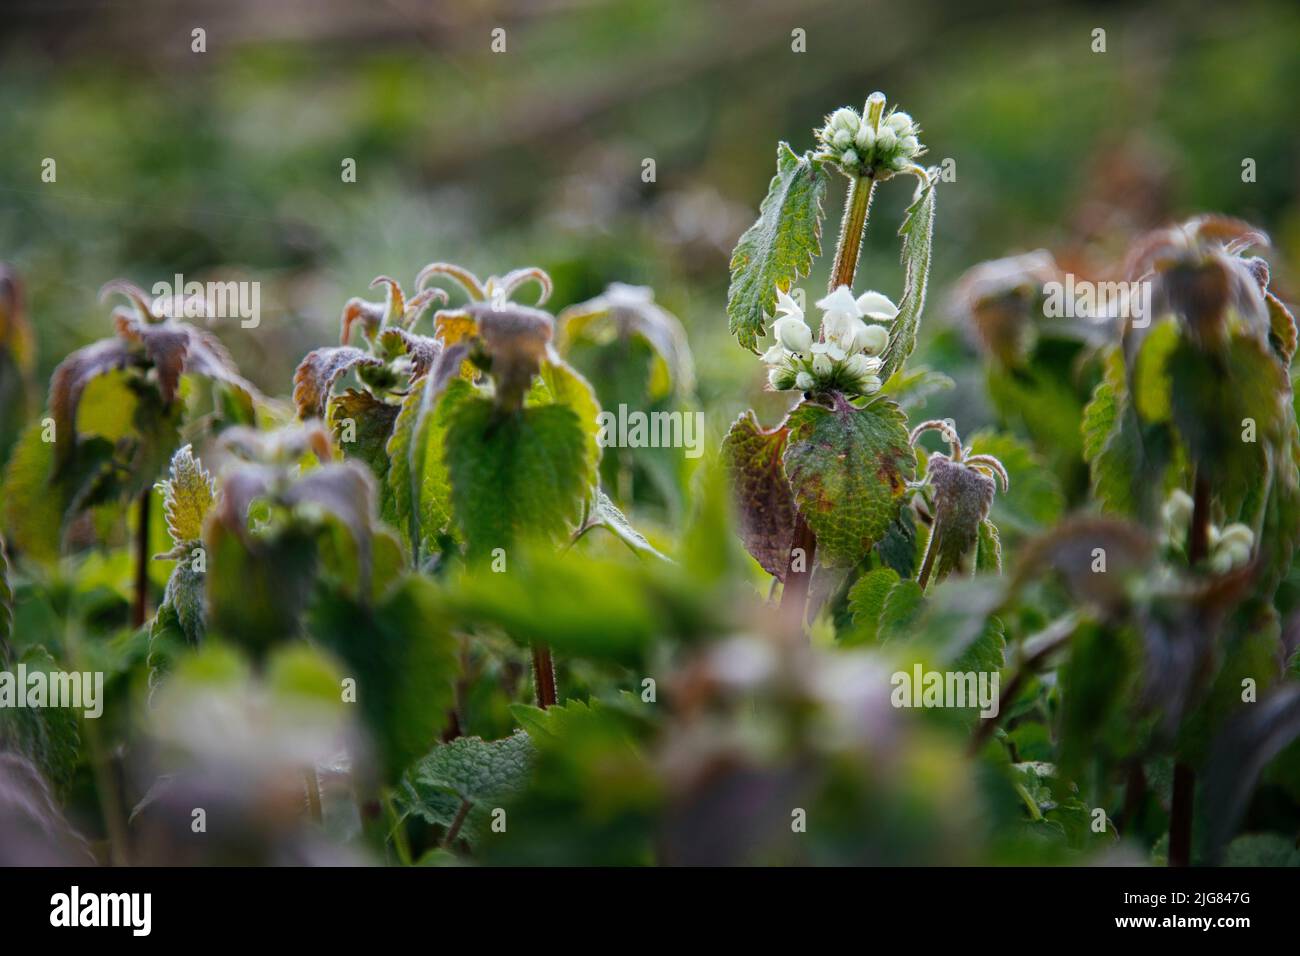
{"points": [[1033, 499], [962, 497], [764, 500], [317, 373], [605, 514], [6, 606], [514, 472], [917, 232], [849, 468], [988, 553], [187, 496], [779, 248], [475, 769], [558, 383], [371, 429]]}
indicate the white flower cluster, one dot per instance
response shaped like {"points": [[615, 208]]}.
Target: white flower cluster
{"points": [[846, 356], [862, 146], [1230, 547]]}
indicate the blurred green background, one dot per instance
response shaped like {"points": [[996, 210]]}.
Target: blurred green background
{"points": [[226, 164]]}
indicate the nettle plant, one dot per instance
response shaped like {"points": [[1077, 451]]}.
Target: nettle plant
{"points": [[832, 482]]}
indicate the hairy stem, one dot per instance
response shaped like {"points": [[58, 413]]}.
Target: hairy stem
{"points": [[140, 609], [313, 793], [544, 676], [853, 227], [931, 550], [453, 831]]}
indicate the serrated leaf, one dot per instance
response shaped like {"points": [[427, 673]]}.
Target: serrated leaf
{"points": [[764, 500], [900, 612], [475, 769], [33, 502], [779, 248], [917, 231], [988, 549], [187, 496], [514, 472], [48, 736], [319, 370], [848, 468], [420, 349], [867, 600], [558, 383], [6, 605]]}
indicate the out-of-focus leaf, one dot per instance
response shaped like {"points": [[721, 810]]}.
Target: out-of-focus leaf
{"points": [[605, 514], [33, 830], [559, 384], [779, 248], [849, 468], [404, 661], [910, 388], [764, 501], [48, 736], [371, 426], [1032, 500], [1237, 757], [962, 497], [988, 553], [867, 600]]}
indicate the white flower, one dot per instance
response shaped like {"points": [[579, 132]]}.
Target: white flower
{"points": [[792, 333], [870, 385], [1177, 510], [1237, 535], [786, 305], [775, 355], [803, 381], [839, 305], [871, 339], [835, 353], [821, 364], [877, 307], [860, 366]]}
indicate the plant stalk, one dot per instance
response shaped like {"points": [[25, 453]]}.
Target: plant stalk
{"points": [[544, 676], [1180, 815], [140, 608], [853, 227]]}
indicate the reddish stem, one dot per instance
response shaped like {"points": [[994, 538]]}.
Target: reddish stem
{"points": [[140, 609]]}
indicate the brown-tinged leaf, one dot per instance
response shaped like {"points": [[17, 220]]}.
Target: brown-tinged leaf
{"points": [[764, 501], [516, 338], [317, 373]]}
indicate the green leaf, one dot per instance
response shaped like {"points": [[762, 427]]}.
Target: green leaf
{"points": [[404, 660], [917, 232], [6, 605], [605, 514], [867, 600], [558, 383], [1033, 499], [962, 497], [48, 736], [187, 496], [474, 769], [33, 502], [753, 457], [1151, 385], [902, 608], [514, 472], [988, 554], [1262, 849], [849, 468], [779, 248]]}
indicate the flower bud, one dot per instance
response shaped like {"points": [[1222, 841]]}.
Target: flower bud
{"points": [[859, 366], [899, 122], [844, 118], [909, 145], [774, 377], [1177, 510], [850, 158], [866, 138], [886, 139], [803, 381], [842, 138], [821, 364], [1237, 535]]}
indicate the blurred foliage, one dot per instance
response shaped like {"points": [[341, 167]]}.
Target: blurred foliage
{"points": [[688, 727]]}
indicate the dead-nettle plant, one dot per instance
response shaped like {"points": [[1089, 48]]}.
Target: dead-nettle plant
{"points": [[829, 482], [117, 409], [1194, 427]]}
